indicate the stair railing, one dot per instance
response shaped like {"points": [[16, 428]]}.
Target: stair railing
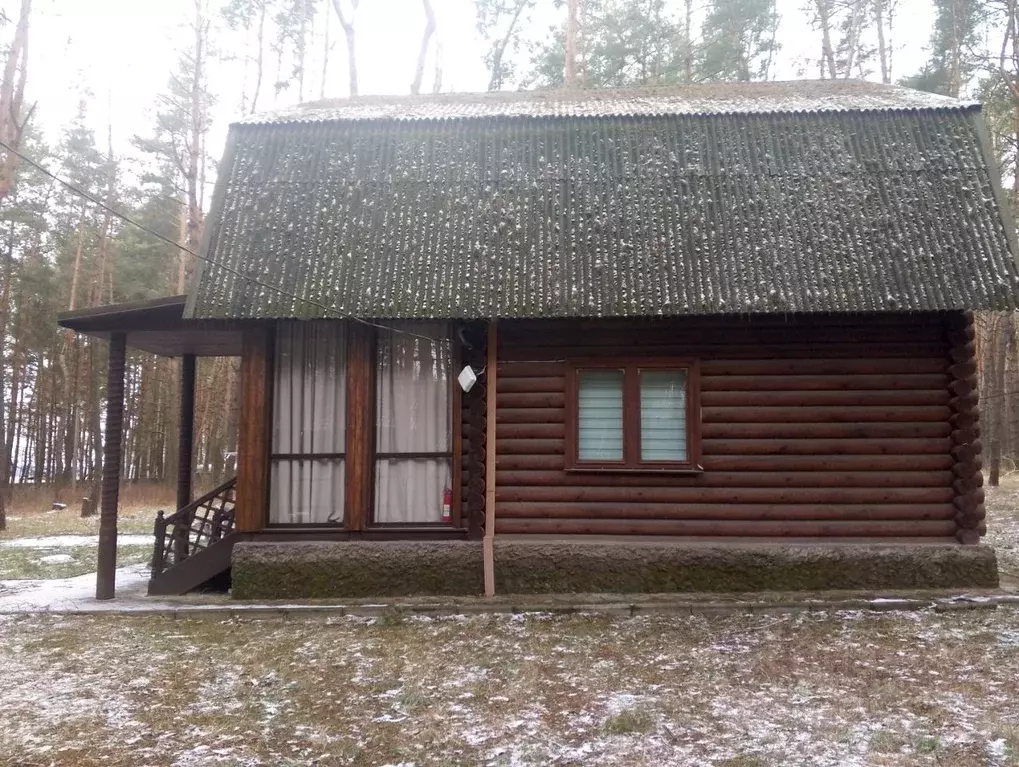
{"points": [[193, 528]]}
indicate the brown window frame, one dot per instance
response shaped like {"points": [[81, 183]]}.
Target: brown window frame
{"points": [[632, 462]]}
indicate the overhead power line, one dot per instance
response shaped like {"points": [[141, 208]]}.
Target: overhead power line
{"points": [[332, 311]]}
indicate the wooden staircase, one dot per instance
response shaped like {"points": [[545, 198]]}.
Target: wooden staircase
{"points": [[194, 544]]}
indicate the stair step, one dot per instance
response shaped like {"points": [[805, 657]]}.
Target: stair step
{"points": [[197, 569]]}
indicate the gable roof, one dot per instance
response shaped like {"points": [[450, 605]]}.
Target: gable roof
{"points": [[778, 197]]}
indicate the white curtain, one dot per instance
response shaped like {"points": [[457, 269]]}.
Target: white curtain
{"points": [[414, 374], [309, 423]]}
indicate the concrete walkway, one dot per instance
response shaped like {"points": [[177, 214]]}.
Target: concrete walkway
{"points": [[77, 595]]}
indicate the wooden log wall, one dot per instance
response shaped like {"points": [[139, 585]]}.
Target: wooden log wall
{"points": [[824, 427]]}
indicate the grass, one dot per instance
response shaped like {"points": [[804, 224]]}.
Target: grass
{"points": [[27, 563], [630, 721], [909, 689]]}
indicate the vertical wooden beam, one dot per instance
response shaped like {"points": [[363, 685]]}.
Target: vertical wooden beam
{"points": [[186, 430], [360, 440], [254, 437], [106, 560], [491, 375]]}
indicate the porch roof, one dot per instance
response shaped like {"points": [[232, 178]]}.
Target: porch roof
{"points": [[157, 325]]}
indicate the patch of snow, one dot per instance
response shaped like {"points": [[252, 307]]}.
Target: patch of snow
{"points": [[70, 541], [75, 594], [56, 559]]}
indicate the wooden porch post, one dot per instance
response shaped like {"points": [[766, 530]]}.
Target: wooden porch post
{"points": [[254, 430], [360, 426], [186, 430], [487, 547], [106, 561]]}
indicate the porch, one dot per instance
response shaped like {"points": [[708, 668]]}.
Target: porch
{"points": [[304, 471]]}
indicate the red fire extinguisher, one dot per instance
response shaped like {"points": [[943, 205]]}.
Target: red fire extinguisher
{"points": [[447, 505]]}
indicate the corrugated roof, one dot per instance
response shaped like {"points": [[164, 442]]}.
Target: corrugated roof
{"points": [[850, 210], [713, 99]]}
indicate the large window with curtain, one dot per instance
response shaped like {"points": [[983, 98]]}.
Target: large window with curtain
{"points": [[413, 433], [309, 423], [632, 415]]}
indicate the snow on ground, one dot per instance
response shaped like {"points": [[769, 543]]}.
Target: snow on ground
{"points": [[845, 689], [73, 594], [70, 541]]}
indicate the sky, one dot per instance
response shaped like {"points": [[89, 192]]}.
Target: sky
{"points": [[118, 54]]}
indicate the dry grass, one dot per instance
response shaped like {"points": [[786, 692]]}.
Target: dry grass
{"points": [[31, 514], [1003, 525], [744, 691]]}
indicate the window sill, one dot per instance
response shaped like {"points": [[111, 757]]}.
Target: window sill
{"points": [[690, 471]]}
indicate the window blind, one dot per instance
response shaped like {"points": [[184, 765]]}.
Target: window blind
{"points": [[600, 415], [663, 415]]}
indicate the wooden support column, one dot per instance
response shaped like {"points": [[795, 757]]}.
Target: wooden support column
{"points": [[254, 437], [106, 560], [474, 433], [360, 426], [965, 420], [491, 375], [186, 430]]}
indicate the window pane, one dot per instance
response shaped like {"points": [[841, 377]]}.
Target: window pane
{"points": [[309, 403], [600, 415], [412, 489], [414, 373], [305, 491], [663, 415]]}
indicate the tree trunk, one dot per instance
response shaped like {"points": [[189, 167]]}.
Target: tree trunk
{"points": [[419, 70], [348, 31]]}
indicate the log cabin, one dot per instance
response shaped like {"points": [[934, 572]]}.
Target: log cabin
{"points": [[720, 338]]}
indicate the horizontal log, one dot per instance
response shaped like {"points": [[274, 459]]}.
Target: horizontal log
{"points": [[901, 414], [966, 502], [572, 336], [524, 369], [533, 384], [824, 382], [963, 369], [968, 537], [524, 328], [531, 400], [872, 447], [813, 366], [530, 431], [806, 461], [965, 485], [703, 349], [729, 494], [822, 462], [530, 447], [529, 415], [813, 398], [962, 352], [962, 386], [961, 335], [959, 319], [968, 468], [727, 528], [749, 511], [964, 403], [823, 430], [515, 462], [965, 436], [967, 452], [964, 420], [971, 519], [756, 479]]}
